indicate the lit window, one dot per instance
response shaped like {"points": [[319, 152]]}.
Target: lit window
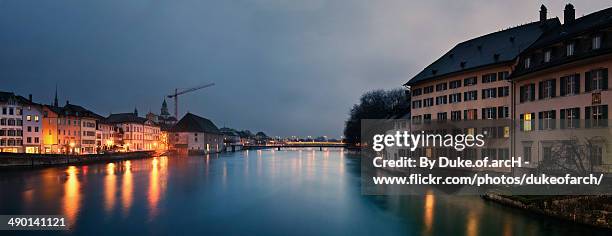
{"points": [[28, 118], [36, 118]]}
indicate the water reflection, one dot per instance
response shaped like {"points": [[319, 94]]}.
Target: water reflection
{"points": [[311, 191], [72, 197], [110, 188], [126, 188], [428, 216], [157, 184]]}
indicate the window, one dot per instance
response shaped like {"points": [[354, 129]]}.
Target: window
{"points": [[36, 140], [569, 49], [427, 102], [489, 113], [527, 92], [570, 85], [11, 111], [503, 91], [428, 89], [547, 88], [470, 95], [547, 56], [527, 121], [29, 128], [570, 118], [489, 93], [36, 129], [442, 116], [527, 62], [596, 80], [596, 116], [427, 117], [417, 92], [36, 118], [488, 78], [417, 104], [596, 154], [596, 42], [502, 75], [441, 87], [546, 119], [441, 100], [455, 98], [455, 115], [503, 112], [470, 114], [546, 154], [455, 84], [28, 117], [29, 140], [469, 81]]}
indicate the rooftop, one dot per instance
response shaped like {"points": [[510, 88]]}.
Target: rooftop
{"points": [[491, 49], [194, 123]]}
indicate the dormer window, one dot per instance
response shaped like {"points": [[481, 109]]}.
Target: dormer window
{"points": [[527, 63], [569, 49], [597, 42], [547, 56]]}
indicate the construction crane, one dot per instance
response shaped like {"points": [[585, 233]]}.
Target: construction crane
{"points": [[177, 93]]}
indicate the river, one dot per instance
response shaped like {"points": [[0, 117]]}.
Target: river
{"points": [[265, 192]]}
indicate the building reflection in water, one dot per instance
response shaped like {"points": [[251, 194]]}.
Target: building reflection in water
{"points": [[72, 198], [110, 188], [472, 223], [127, 188], [157, 182], [428, 215]]}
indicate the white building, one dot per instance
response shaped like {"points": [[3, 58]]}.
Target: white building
{"points": [[11, 123], [194, 134], [138, 134], [32, 115]]}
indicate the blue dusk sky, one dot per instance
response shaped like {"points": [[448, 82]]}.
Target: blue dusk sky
{"points": [[286, 67]]}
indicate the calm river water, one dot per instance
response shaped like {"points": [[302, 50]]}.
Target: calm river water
{"points": [[268, 192]]}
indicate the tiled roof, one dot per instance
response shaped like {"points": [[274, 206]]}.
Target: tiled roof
{"points": [[194, 123], [491, 49]]}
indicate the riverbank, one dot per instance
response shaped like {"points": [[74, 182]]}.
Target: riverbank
{"points": [[590, 210], [24, 160]]}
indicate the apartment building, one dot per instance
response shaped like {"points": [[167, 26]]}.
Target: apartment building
{"points": [[561, 88], [138, 134], [69, 129], [32, 126], [11, 123], [470, 83]]}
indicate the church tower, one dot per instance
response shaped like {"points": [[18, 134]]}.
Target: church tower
{"points": [[164, 110]]}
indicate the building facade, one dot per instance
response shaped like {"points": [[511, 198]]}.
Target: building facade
{"points": [[137, 133], [11, 123], [560, 88], [196, 135], [32, 126]]}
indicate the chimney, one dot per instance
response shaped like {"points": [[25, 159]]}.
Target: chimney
{"points": [[569, 14], [30, 97], [543, 12]]}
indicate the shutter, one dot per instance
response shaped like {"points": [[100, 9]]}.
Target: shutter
{"points": [[562, 118], [540, 117], [522, 96], [554, 119], [500, 112], [494, 112], [587, 117], [483, 94], [540, 89], [493, 77], [604, 73], [554, 88], [563, 85], [587, 81], [533, 93], [483, 114], [459, 97], [577, 83], [604, 112], [521, 122]]}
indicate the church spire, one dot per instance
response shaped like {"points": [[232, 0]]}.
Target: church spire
{"points": [[55, 103], [164, 110]]}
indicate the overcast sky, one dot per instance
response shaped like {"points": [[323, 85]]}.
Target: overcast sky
{"points": [[287, 67]]}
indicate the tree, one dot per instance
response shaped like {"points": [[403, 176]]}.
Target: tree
{"points": [[376, 104]]}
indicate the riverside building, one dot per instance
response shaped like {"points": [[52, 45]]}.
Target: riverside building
{"points": [[560, 87]]}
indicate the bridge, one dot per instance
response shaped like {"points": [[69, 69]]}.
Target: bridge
{"points": [[278, 146]]}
